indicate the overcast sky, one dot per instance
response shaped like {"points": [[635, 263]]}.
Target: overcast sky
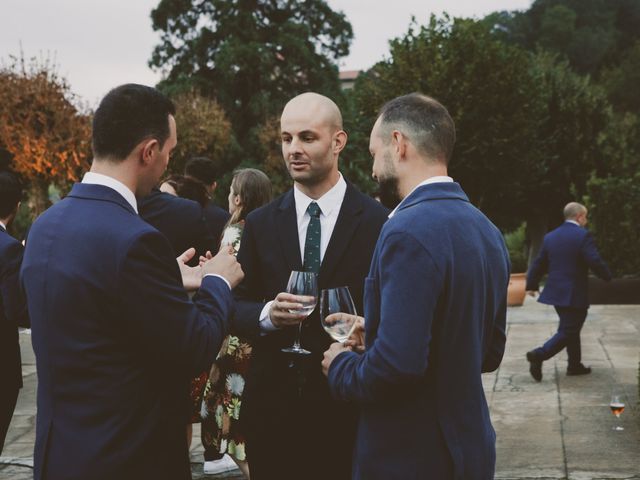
{"points": [[98, 44]]}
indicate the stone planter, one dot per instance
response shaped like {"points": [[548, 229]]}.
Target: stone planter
{"points": [[516, 290]]}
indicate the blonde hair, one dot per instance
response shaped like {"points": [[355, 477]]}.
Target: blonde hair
{"points": [[254, 189]]}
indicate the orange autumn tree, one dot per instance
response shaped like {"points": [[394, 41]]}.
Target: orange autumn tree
{"points": [[45, 132]]}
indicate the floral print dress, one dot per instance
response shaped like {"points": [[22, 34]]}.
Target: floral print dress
{"points": [[222, 397]]}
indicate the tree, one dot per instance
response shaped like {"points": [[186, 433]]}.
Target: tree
{"points": [[486, 86], [203, 130], [48, 137], [613, 196], [251, 55], [528, 126]]}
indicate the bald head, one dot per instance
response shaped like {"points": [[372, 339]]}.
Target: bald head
{"points": [[573, 209], [313, 105]]}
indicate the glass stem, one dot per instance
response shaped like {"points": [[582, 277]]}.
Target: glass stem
{"points": [[296, 343]]}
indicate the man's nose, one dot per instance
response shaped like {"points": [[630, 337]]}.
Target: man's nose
{"points": [[295, 147]]}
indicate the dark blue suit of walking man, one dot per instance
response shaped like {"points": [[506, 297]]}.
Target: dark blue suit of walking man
{"points": [[434, 309], [567, 254]]}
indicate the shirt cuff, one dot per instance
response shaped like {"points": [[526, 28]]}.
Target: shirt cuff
{"points": [[219, 276], [264, 322]]}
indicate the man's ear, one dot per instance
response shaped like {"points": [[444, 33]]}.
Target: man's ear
{"points": [[399, 142], [339, 141], [213, 186], [148, 150]]}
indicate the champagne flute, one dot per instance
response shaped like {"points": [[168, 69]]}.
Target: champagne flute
{"points": [[337, 313], [617, 407], [302, 283]]}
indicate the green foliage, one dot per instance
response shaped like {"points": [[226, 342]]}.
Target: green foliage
{"points": [[614, 198], [487, 87], [251, 55], [517, 246]]}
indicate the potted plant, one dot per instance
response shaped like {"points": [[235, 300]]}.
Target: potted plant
{"points": [[517, 246]]}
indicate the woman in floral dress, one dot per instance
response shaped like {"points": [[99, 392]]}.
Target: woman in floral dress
{"points": [[221, 405]]}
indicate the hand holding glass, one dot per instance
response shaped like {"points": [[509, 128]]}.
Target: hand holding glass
{"points": [[337, 313], [304, 284]]}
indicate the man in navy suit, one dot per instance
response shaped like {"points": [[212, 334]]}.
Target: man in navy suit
{"points": [[13, 308], [116, 337], [567, 254], [205, 170], [434, 309], [293, 428]]}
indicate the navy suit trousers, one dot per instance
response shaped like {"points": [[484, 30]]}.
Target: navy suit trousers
{"points": [[568, 335]]}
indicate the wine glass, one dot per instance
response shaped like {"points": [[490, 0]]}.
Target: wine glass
{"points": [[337, 312], [617, 407], [302, 283]]}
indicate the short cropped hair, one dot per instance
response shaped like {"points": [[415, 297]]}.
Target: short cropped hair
{"points": [[203, 169], [572, 210], [424, 121], [10, 193], [128, 115]]}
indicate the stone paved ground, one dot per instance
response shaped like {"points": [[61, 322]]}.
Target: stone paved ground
{"points": [[560, 428]]}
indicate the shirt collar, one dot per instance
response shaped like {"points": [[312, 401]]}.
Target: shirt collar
{"points": [[3, 225], [572, 221], [327, 202], [93, 178], [436, 179]]}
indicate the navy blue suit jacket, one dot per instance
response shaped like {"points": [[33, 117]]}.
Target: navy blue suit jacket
{"points": [[566, 255], [116, 340], [435, 312], [269, 251], [13, 311], [179, 219]]}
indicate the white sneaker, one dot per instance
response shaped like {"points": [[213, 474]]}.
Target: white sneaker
{"points": [[225, 464]]}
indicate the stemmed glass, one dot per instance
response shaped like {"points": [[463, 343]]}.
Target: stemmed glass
{"points": [[306, 284], [337, 312], [617, 407]]}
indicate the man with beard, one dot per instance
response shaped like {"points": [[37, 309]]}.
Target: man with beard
{"points": [[294, 429], [435, 309]]}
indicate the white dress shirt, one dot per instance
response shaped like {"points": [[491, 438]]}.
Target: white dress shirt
{"points": [[329, 204], [437, 179], [572, 221], [3, 225], [93, 178]]}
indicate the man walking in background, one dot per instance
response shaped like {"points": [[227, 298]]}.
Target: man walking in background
{"points": [[567, 254]]}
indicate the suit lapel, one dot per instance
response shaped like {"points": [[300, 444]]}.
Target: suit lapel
{"points": [[346, 225], [287, 228]]}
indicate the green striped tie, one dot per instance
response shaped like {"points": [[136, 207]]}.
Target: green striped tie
{"points": [[312, 241]]}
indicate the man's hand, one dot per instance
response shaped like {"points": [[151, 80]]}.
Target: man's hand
{"points": [[356, 339], [532, 293], [225, 265], [191, 276], [279, 311], [335, 349]]}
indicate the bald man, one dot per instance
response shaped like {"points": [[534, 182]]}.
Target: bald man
{"points": [[325, 225], [567, 254]]}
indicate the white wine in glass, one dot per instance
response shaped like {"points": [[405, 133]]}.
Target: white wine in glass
{"points": [[337, 313], [617, 407], [306, 284]]}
